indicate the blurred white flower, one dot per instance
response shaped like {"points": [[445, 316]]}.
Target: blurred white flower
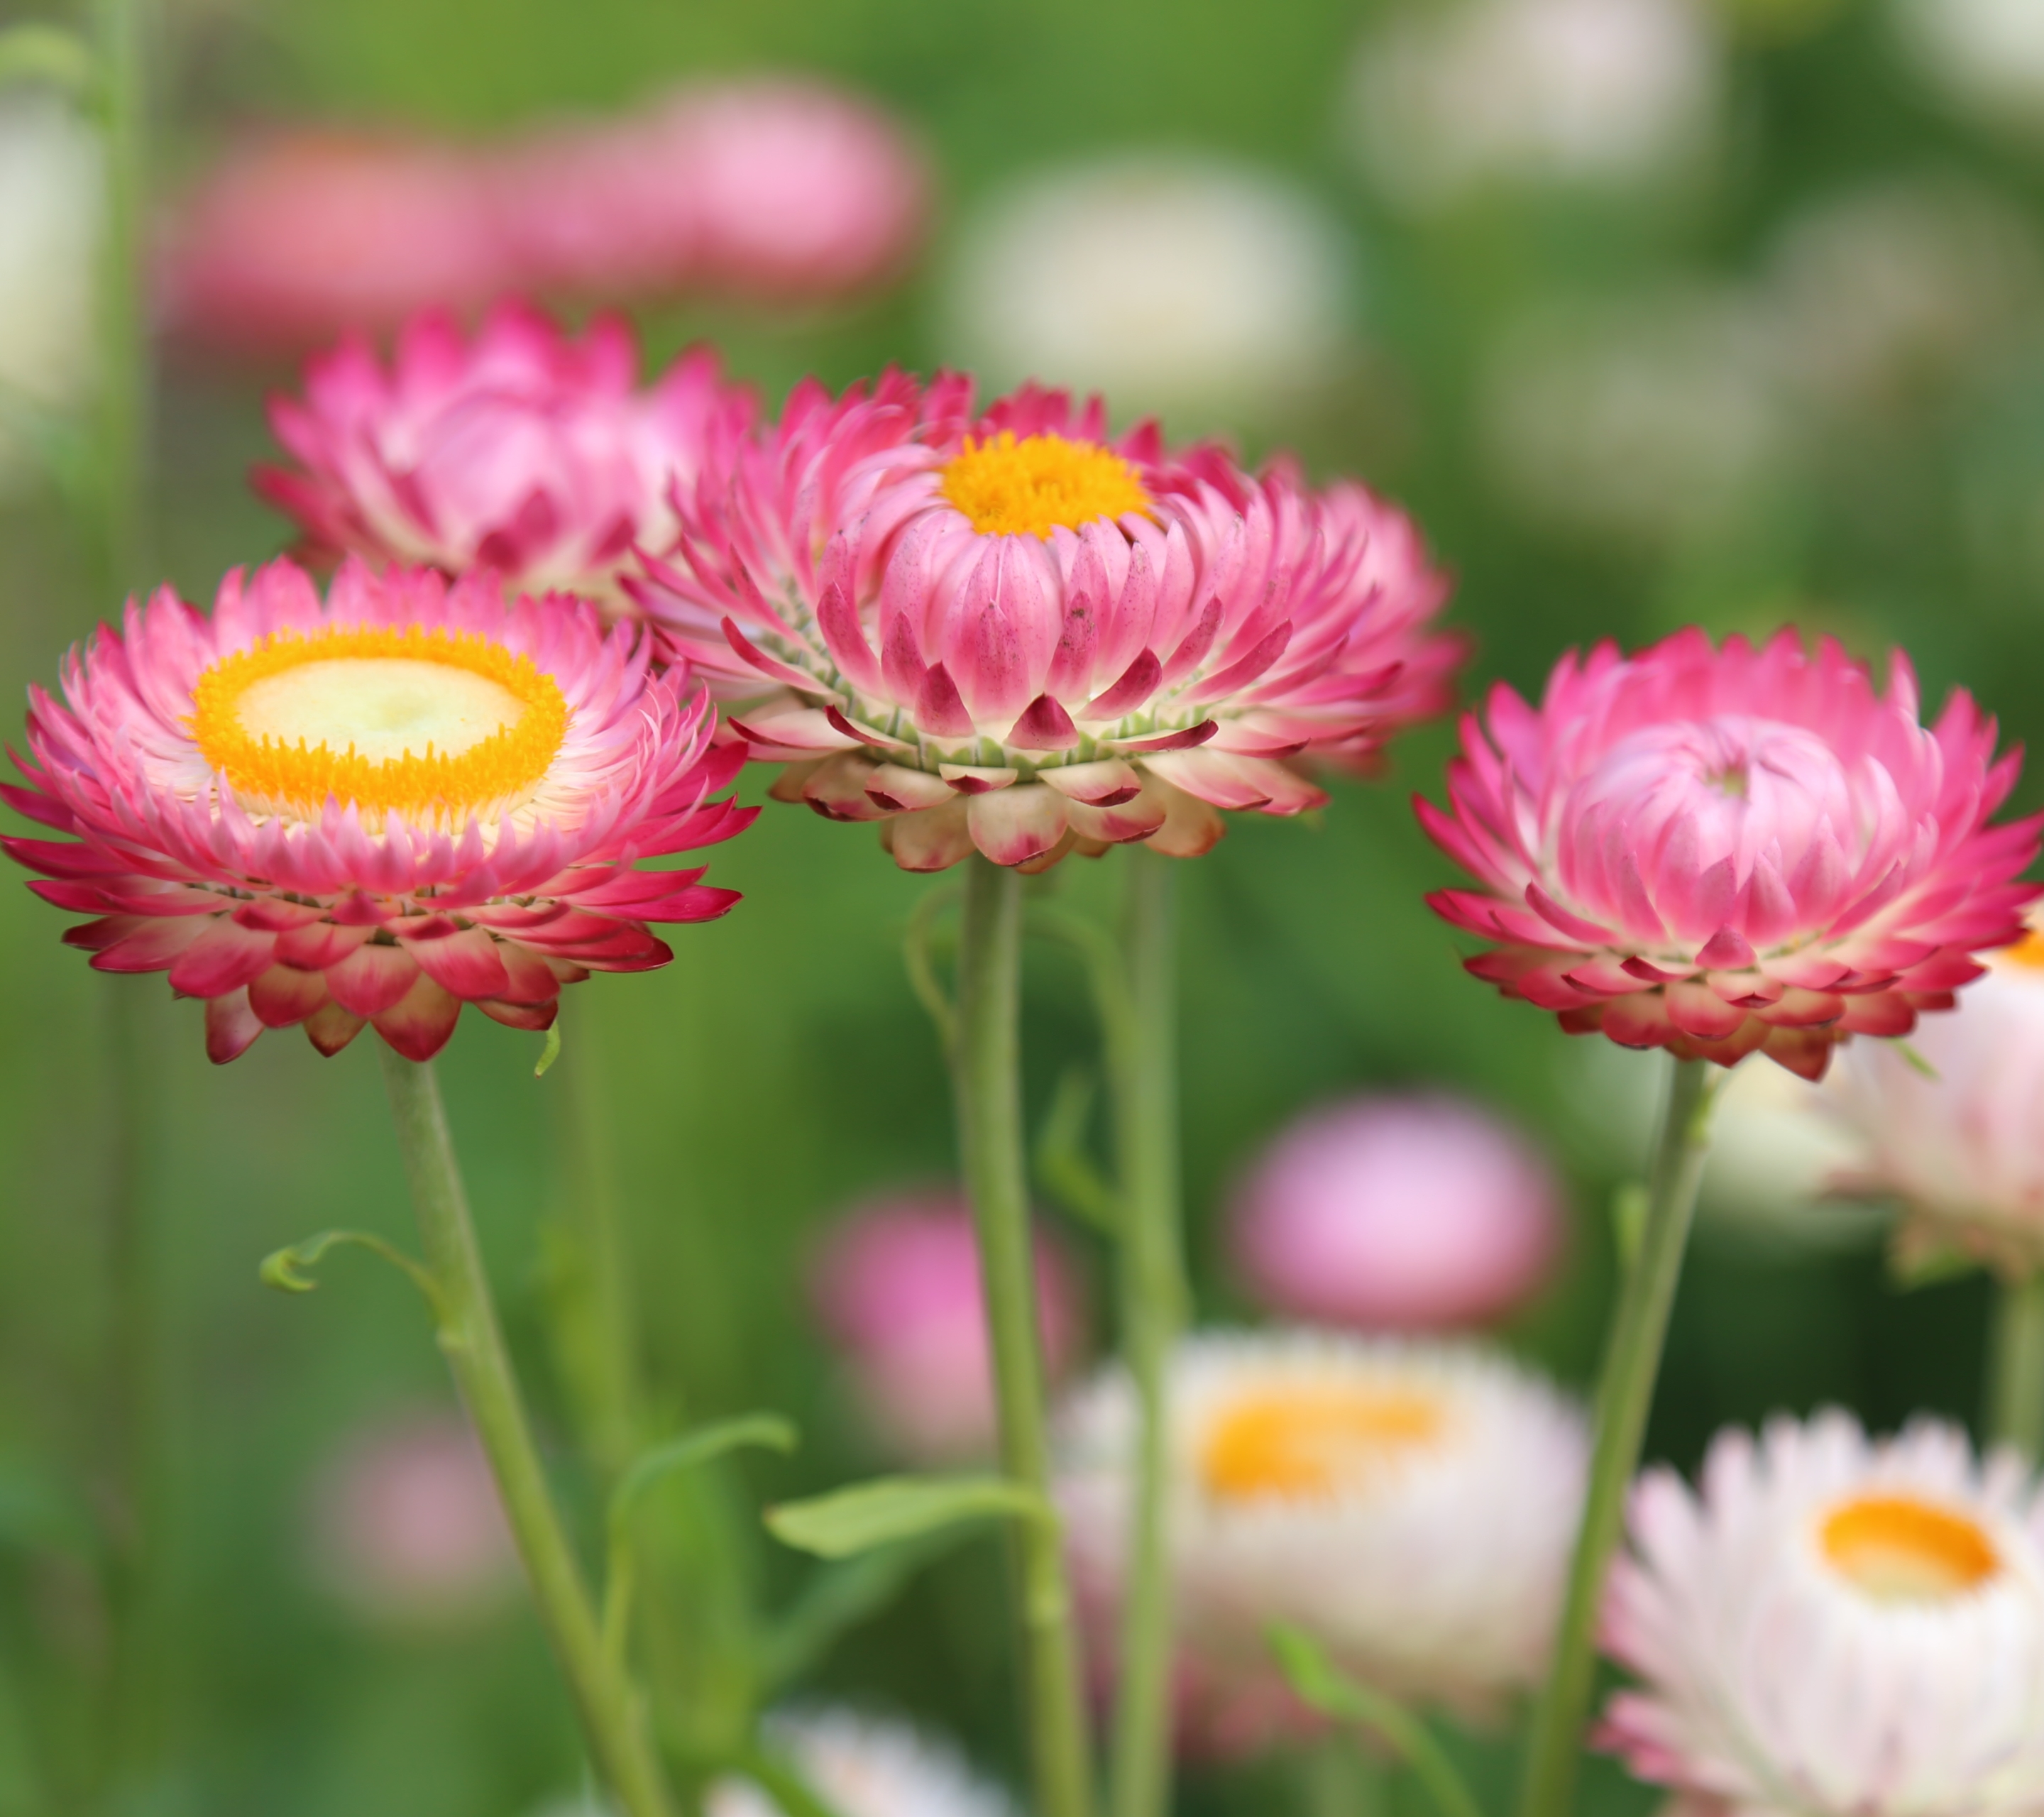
{"points": [[1985, 56], [51, 201], [1886, 291], [1187, 284], [1651, 420], [862, 1767], [1410, 1503], [1449, 100]]}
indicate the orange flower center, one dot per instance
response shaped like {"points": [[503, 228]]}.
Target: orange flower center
{"points": [[1027, 488], [414, 721], [1896, 1549], [1298, 1442], [2028, 951]]}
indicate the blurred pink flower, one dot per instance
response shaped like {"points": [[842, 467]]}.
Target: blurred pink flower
{"points": [[1725, 851], [294, 236], [1407, 1212], [522, 450], [406, 1522], [782, 189], [897, 1287], [1010, 630]]}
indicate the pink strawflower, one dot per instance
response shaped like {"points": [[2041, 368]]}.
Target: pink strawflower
{"points": [[1012, 631], [1412, 1211], [405, 1521], [782, 189], [1724, 851], [897, 1287], [294, 236], [375, 808], [522, 450]]}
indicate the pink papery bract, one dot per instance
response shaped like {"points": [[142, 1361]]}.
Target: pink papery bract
{"points": [[521, 450], [1726, 850], [331, 920], [1023, 694]]}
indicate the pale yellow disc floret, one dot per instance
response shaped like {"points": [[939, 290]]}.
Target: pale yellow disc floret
{"points": [[410, 721], [1030, 487], [1895, 1549], [1311, 1440]]}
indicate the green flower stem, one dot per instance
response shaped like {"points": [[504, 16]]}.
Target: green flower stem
{"points": [[2015, 1390], [985, 1061], [1625, 1391], [126, 379], [473, 1344], [1142, 1060]]}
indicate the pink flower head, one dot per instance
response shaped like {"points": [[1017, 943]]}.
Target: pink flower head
{"points": [[405, 1521], [522, 450], [1724, 851], [375, 808], [897, 1287], [1012, 631], [295, 236], [1407, 1212], [783, 189]]}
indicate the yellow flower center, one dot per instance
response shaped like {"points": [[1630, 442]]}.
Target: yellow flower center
{"points": [[1293, 1442], [414, 721], [1026, 488], [1898, 1549], [2028, 952]]}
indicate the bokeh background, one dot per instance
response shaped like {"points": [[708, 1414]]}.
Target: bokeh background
{"points": [[1747, 327]]}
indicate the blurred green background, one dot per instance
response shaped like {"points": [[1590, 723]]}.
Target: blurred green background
{"points": [[781, 1067]]}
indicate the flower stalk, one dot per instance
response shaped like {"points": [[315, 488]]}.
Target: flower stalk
{"points": [[1625, 1393], [1142, 1060], [985, 1062], [2015, 1386], [470, 1337]]}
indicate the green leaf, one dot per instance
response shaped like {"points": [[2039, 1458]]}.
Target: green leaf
{"points": [[550, 1053], [1915, 1057], [282, 1269], [889, 1508], [36, 53], [839, 1596], [1334, 1693], [757, 1431], [1063, 1164]]}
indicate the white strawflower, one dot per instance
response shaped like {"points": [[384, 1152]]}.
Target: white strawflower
{"points": [[1449, 100], [1412, 1503], [1188, 285], [1648, 420], [1888, 290], [51, 201], [862, 1766], [1835, 1627], [1985, 56], [1958, 1136]]}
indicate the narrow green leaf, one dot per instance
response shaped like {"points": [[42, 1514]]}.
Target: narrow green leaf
{"points": [[841, 1595], [1063, 1164], [283, 1269], [758, 1431], [878, 1513], [1333, 1693], [1914, 1057], [549, 1053]]}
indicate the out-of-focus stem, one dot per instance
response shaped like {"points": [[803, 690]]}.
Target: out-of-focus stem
{"points": [[1625, 1393], [126, 379], [1142, 1060], [2015, 1392], [986, 1068], [473, 1344]]}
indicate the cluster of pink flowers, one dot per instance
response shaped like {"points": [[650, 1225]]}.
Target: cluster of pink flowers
{"points": [[778, 190]]}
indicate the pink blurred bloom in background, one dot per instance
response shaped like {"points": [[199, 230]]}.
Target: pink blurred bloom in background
{"points": [[248, 810], [523, 450], [1013, 632], [897, 1287], [296, 235], [782, 189], [786, 189], [1408, 1211], [1724, 851], [406, 1524]]}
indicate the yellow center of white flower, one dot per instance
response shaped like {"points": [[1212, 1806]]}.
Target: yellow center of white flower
{"points": [[410, 721], [1027, 488], [1296, 1442], [1896, 1549]]}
